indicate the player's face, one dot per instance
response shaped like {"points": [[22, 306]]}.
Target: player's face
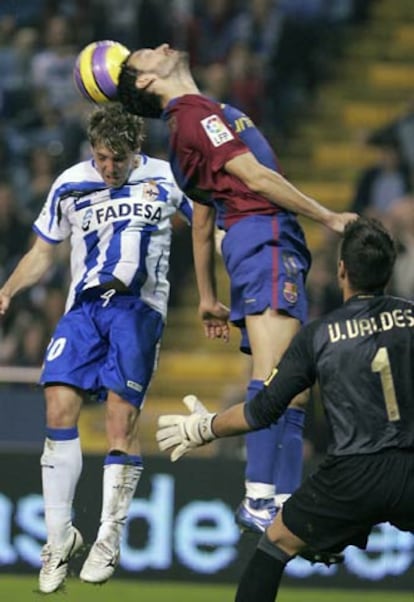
{"points": [[161, 60], [114, 168]]}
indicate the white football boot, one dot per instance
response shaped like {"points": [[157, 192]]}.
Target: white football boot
{"points": [[101, 562], [55, 562]]}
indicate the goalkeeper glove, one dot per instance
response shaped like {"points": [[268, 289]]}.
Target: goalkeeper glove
{"points": [[185, 432]]}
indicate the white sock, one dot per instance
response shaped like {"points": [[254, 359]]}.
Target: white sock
{"points": [[61, 464], [281, 498], [119, 484], [259, 490]]}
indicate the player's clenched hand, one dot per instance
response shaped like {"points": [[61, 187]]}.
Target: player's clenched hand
{"points": [[184, 433], [215, 321], [338, 221]]}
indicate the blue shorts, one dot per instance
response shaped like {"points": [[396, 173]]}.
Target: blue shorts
{"points": [[267, 260], [102, 345]]}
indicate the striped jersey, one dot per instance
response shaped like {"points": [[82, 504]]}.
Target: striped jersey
{"points": [[116, 233]]}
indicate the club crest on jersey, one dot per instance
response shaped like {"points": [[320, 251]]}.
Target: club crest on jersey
{"points": [[216, 130], [151, 191], [290, 292]]}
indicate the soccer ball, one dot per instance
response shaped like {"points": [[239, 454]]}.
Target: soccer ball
{"points": [[97, 70]]}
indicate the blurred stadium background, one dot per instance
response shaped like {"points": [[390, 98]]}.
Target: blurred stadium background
{"points": [[327, 82]]}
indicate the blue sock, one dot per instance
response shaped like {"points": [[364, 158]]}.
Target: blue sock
{"points": [[289, 460], [118, 457], [261, 446], [62, 434]]}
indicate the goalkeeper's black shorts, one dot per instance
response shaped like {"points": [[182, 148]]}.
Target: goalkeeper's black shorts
{"points": [[339, 504]]}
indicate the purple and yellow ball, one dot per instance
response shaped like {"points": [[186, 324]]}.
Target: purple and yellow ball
{"points": [[97, 69]]}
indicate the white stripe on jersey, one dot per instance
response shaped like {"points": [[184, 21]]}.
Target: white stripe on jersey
{"points": [[122, 233]]}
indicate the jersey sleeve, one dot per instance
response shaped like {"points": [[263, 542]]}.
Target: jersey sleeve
{"points": [[184, 205], [185, 209], [295, 373], [206, 132], [51, 224]]}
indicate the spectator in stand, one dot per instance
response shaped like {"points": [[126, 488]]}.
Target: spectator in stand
{"points": [[16, 49], [381, 185], [400, 220], [247, 88], [52, 65], [129, 21], [212, 32], [24, 12], [259, 26], [32, 343], [323, 295], [39, 176], [13, 230], [402, 130]]}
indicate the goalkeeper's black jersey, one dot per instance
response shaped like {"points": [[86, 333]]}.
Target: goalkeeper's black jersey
{"points": [[362, 355]]}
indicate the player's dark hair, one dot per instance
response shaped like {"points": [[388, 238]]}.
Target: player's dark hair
{"points": [[368, 252], [113, 126], [137, 102]]}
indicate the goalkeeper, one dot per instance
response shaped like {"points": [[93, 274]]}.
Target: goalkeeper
{"points": [[362, 355]]}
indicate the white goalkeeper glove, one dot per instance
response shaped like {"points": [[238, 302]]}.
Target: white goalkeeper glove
{"points": [[185, 432]]}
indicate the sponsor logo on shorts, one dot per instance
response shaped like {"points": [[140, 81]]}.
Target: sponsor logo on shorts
{"points": [[291, 264], [290, 292], [131, 384], [216, 130]]}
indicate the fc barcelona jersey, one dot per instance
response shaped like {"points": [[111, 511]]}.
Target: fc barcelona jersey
{"points": [[204, 135]]}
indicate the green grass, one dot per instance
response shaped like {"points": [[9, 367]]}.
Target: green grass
{"points": [[22, 589]]}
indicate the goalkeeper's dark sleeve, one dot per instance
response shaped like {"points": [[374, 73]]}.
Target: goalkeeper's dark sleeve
{"points": [[295, 373]]}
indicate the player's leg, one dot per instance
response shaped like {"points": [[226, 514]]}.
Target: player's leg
{"points": [[73, 356], [341, 517], [262, 576], [61, 465], [122, 470], [289, 457], [135, 334], [268, 296], [279, 445]]}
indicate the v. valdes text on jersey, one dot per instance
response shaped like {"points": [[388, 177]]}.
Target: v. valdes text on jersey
{"points": [[386, 320]]}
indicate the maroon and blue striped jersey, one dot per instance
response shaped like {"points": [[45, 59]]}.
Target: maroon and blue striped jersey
{"points": [[204, 135]]}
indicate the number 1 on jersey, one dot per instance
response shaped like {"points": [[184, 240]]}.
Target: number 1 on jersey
{"points": [[381, 363]]}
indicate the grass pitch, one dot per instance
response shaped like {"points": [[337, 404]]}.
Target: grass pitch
{"points": [[24, 589]]}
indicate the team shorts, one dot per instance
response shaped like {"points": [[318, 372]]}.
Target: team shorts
{"points": [[339, 504], [267, 260], [104, 344]]}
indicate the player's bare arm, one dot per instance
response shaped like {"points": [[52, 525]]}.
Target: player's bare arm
{"points": [[213, 313], [278, 190], [231, 422], [28, 271]]}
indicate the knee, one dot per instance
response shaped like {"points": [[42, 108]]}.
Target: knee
{"points": [[122, 420], [61, 414]]}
